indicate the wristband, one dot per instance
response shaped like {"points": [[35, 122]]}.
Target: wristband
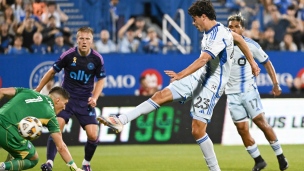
{"points": [[71, 164]]}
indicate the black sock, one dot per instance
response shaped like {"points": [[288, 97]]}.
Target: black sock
{"points": [[258, 159], [280, 156], [89, 149]]}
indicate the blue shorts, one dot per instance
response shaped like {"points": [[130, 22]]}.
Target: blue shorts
{"points": [[203, 99], [83, 112], [245, 105]]}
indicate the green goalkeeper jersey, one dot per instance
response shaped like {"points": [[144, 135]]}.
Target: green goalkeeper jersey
{"points": [[27, 102]]}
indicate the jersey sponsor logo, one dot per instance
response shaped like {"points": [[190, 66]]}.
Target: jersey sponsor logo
{"points": [[80, 76], [39, 71], [242, 61]]}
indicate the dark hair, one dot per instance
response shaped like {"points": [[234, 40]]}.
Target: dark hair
{"points": [[61, 91], [19, 36], [238, 18], [291, 7], [201, 7], [50, 3]]}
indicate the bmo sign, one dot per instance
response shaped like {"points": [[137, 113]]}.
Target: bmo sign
{"points": [[120, 81]]}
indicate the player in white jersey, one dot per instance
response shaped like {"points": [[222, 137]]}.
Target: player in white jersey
{"points": [[244, 99], [203, 81]]}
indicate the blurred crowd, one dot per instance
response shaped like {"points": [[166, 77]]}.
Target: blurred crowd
{"points": [[33, 27], [37, 26], [275, 24]]}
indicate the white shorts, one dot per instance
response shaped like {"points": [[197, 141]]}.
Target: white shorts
{"points": [[244, 105], [203, 99]]}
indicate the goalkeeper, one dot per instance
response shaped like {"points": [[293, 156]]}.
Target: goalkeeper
{"points": [[25, 102]]}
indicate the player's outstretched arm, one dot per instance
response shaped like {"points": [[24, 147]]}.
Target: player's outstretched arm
{"points": [[45, 79], [276, 89], [240, 42], [7, 92], [63, 151], [198, 63]]}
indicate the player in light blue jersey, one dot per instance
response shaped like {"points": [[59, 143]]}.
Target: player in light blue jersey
{"points": [[244, 99], [202, 82]]}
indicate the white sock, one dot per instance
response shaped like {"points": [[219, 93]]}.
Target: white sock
{"points": [[206, 146], [143, 108], [51, 162], [84, 162], [253, 150], [276, 148]]}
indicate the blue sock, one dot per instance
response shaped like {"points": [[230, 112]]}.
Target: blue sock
{"points": [[51, 149], [89, 149]]}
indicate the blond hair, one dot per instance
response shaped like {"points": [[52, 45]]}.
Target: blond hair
{"points": [[85, 29]]}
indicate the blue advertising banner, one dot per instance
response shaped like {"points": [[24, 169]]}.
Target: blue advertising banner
{"points": [[124, 70]]}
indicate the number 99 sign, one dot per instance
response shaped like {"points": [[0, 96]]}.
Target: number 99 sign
{"points": [[157, 125]]}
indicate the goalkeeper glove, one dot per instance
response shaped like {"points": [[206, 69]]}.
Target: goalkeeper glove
{"points": [[73, 166]]}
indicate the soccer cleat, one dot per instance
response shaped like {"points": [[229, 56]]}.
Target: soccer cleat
{"points": [[2, 166], [112, 121], [46, 167], [259, 166], [86, 168], [282, 162]]}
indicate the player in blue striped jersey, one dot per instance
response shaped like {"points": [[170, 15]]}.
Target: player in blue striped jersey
{"points": [[82, 65], [202, 82], [244, 99]]}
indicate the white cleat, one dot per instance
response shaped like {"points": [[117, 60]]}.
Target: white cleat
{"points": [[112, 121]]}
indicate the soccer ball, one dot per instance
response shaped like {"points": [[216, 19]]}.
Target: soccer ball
{"points": [[30, 128]]}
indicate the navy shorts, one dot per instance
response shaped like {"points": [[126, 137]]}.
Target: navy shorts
{"points": [[84, 113]]}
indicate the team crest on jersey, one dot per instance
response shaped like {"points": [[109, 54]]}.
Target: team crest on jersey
{"points": [[91, 66], [74, 61], [242, 61], [39, 71]]}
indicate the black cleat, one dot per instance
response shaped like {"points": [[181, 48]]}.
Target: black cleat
{"points": [[46, 167], [259, 166], [282, 162]]}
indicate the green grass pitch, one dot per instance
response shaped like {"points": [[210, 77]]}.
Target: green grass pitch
{"points": [[173, 158]]}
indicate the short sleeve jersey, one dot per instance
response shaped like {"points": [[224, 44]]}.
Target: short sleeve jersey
{"points": [[80, 71], [218, 43], [25, 103], [241, 78]]}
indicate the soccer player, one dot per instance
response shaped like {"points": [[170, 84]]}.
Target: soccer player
{"points": [[244, 100], [23, 103], [202, 82], [81, 66]]}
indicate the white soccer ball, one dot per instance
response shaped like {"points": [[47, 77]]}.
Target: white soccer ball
{"points": [[30, 128]]}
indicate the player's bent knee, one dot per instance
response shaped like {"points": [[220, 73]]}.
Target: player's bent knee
{"points": [[162, 96]]}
